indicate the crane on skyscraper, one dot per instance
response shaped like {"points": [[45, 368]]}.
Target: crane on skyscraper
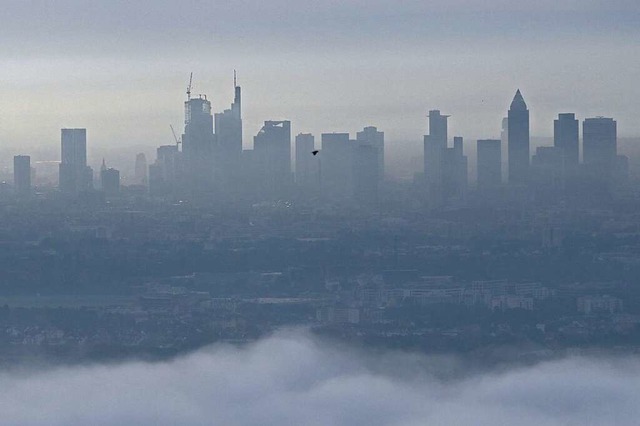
{"points": [[189, 87], [178, 141]]}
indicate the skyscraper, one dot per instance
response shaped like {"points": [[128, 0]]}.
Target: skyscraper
{"points": [[75, 176], [166, 173], [198, 144], [371, 136], [600, 143], [454, 171], [272, 151], [435, 143], [566, 138], [307, 164], [110, 181], [228, 128], [22, 174], [489, 164], [518, 132]]}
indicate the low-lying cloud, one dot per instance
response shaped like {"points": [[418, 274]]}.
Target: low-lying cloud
{"points": [[292, 378]]}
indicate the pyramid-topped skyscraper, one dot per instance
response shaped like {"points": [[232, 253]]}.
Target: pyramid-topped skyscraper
{"points": [[518, 131], [518, 103]]}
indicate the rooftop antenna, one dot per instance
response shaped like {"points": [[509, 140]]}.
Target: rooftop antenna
{"points": [[189, 87], [235, 80]]}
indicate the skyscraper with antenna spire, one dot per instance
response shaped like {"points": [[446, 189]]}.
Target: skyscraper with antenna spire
{"points": [[228, 125]]}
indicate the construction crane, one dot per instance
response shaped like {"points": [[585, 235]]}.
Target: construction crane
{"points": [[178, 141], [189, 87]]}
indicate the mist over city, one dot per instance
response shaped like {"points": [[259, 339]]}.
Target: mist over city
{"points": [[320, 213]]}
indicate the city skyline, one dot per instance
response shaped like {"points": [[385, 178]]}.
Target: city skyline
{"points": [[225, 118], [319, 212]]}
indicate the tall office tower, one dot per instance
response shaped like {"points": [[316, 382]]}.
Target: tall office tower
{"points": [[307, 164], [366, 172], [165, 173], [489, 164], [22, 174], [600, 144], [272, 151], [566, 138], [75, 176], [336, 165], [454, 171], [110, 181], [228, 127], [141, 170], [371, 136], [435, 144], [518, 132], [198, 144]]}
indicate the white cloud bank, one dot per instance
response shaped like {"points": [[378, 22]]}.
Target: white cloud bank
{"points": [[293, 379]]}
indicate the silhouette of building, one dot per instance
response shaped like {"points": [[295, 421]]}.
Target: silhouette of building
{"points": [[228, 128], [566, 138], [371, 136], [600, 144], [454, 171], [518, 134], [22, 174], [445, 168], [110, 181], [198, 144], [307, 164], [272, 156], [141, 170], [75, 176], [435, 144], [489, 164], [165, 174]]}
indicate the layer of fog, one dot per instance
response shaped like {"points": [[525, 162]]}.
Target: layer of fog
{"points": [[294, 379]]}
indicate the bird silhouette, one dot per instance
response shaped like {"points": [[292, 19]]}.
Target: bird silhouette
{"points": [[315, 152]]}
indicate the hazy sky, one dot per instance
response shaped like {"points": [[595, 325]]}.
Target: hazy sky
{"points": [[120, 68], [291, 379]]}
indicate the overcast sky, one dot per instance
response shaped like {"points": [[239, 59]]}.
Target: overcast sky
{"points": [[120, 68]]}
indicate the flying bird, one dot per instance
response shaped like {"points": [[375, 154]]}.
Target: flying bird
{"points": [[315, 152]]}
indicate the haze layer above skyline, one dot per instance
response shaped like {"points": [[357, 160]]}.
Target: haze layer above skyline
{"points": [[120, 68]]}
